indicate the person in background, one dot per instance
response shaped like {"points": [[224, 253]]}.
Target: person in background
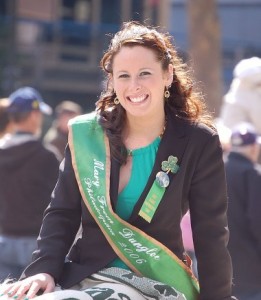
{"points": [[244, 206], [133, 168], [28, 172], [57, 135], [5, 122], [242, 103]]}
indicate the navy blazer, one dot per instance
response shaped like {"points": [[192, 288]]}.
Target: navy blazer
{"points": [[199, 185]]}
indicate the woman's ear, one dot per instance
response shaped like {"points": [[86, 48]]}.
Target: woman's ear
{"points": [[169, 75], [110, 83]]}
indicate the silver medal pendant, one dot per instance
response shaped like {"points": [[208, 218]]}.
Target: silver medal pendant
{"points": [[162, 179]]}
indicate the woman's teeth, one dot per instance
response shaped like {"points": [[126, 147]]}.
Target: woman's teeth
{"points": [[137, 99]]}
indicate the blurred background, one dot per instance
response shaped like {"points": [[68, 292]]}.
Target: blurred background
{"points": [[55, 45]]}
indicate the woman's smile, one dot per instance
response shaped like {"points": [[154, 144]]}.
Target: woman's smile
{"points": [[138, 99]]}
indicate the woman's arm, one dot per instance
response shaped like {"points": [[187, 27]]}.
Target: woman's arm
{"points": [[60, 224], [208, 207]]}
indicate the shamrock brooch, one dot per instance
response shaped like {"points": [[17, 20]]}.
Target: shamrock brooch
{"points": [[170, 165]]}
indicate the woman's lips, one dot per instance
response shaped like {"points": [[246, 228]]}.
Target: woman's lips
{"points": [[137, 99]]}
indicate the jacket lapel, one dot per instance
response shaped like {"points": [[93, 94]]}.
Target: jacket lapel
{"points": [[174, 142]]}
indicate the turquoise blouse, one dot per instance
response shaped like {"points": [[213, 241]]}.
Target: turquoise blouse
{"points": [[142, 163]]}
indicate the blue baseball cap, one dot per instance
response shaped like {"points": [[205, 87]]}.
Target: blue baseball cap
{"points": [[244, 134], [27, 99]]}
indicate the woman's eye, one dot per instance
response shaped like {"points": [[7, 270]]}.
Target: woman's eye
{"points": [[144, 73], [123, 76]]}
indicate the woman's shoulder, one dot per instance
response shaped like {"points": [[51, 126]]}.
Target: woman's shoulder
{"points": [[202, 134], [91, 117], [197, 128], [203, 129], [89, 121]]}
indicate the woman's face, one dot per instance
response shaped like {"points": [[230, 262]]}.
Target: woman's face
{"points": [[139, 81]]}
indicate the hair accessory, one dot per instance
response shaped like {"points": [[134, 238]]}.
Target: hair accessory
{"points": [[168, 55], [170, 165], [136, 32], [116, 101]]}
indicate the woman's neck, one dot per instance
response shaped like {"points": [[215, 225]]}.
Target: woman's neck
{"points": [[141, 132]]}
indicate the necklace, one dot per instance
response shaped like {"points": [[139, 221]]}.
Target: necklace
{"points": [[130, 151]]}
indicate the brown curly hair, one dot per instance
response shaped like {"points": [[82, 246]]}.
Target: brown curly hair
{"points": [[185, 100]]}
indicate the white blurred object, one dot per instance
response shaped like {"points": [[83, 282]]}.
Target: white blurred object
{"points": [[242, 103], [249, 69], [224, 134]]}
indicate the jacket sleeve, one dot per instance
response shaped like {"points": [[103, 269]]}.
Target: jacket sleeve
{"points": [[60, 224], [208, 206]]}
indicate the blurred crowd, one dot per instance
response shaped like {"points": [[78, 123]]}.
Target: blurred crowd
{"points": [[29, 167]]}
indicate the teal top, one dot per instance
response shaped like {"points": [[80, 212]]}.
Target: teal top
{"points": [[142, 163]]}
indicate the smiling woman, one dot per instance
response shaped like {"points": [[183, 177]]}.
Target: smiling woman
{"points": [[140, 86], [130, 206]]}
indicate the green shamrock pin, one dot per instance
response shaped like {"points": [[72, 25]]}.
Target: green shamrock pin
{"points": [[167, 166], [170, 165]]}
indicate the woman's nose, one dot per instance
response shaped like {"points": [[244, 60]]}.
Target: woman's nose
{"points": [[135, 85]]}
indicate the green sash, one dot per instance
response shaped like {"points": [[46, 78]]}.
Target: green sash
{"points": [[143, 254]]}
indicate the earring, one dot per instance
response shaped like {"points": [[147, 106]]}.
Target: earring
{"points": [[166, 93], [116, 100]]}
